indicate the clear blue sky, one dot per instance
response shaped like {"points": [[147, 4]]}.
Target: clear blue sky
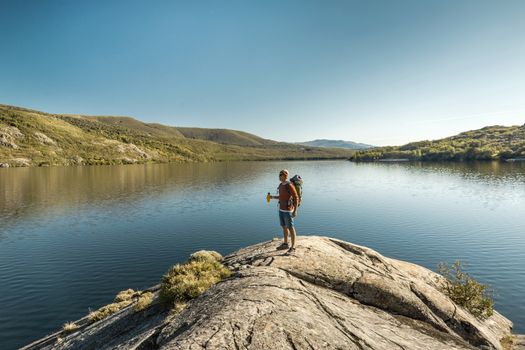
{"points": [[379, 72]]}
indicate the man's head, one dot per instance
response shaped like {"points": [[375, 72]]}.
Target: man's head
{"points": [[283, 175]]}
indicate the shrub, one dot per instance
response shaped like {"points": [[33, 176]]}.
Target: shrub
{"points": [[107, 310], [187, 281], [125, 295], [144, 301], [70, 327], [123, 299], [466, 291]]}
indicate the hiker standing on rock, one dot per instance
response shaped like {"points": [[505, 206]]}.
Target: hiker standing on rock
{"points": [[288, 203]]}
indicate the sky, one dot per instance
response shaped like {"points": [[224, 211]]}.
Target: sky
{"points": [[377, 72]]}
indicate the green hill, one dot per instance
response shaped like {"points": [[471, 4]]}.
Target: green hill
{"points": [[33, 138], [489, 143]]}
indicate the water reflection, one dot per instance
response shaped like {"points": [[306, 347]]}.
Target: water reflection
{"points": [[37, 192], [29, 192], [469, 170]]}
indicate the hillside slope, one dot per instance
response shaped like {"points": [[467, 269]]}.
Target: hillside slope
{"points": [[489, 143], [335, 144], [33, 138]]}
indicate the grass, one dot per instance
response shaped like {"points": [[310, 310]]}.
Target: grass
{"points": [[107, 310], [507, 343], [144, 301], [125, 295], [122, 299], [120, 140], [466, 291], [70, 327], [184, 282]]}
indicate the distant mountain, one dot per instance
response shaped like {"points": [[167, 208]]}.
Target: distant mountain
{"points": [[489, 143], [336, 144], [33, 138]]}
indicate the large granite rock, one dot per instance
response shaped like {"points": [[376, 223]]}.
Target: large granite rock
{"points": [[329, 294]]}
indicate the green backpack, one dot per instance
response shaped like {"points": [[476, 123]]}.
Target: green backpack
{"points": [[297, 182]]}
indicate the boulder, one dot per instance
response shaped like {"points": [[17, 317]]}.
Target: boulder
{"points": [[328, 294]]}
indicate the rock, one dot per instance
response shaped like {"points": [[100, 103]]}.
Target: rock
{"points": [[132, 148], [44, 139], [8, 135], [4, 165], [77, 160], [329, 294], [20, 162], [127, 160], [519, 342], [6, 141]]}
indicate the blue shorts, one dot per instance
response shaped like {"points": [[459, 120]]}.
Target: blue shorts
{"points": [[286, 219]]}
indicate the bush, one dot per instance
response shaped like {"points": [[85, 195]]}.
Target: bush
{"points": [[123, 299], [466, 291], [125, 295], [187, 281], [107, 310], [144, 301], [70, 327]]}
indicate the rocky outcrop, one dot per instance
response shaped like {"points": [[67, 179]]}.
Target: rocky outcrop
{"points": [[8, 136], [44, 139], [20, 162], [329, 294]]}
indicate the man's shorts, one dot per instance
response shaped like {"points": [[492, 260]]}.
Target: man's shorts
{"points": [[286, 219]]}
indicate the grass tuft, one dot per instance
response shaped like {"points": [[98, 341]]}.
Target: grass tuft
{"points": [[144, 301], [125, 295], [70, 327], [107, 310], [507, 343], [187, 281]]}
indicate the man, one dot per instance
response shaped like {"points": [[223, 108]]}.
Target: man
{"points": [[288, 203]]}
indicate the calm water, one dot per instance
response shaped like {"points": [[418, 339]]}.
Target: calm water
{"points": [[71, 238]]}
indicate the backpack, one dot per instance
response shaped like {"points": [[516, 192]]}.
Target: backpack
{"points": [[297, 182]]}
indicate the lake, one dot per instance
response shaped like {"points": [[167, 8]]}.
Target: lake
{"points": [[71, 238]]}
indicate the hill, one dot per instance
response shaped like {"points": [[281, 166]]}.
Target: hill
{"points": [[335, 144], [34, 138], [489, 143]]}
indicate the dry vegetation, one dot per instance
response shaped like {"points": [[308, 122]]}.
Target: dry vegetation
{"points": [[187, 281], [490, 143], [70, 327], [32, 138]]}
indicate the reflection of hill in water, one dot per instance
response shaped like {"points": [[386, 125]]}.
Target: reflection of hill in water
{"points": [[470, 170], [28, 192], [33, 192]]}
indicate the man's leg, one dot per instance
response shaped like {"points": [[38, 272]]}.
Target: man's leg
{"points": [[293, 234], [285, 234]]}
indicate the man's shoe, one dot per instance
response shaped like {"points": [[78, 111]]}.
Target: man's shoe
{"points": [[290, 251], [283, 246]]}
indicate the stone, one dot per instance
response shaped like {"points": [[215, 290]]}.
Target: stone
{"points": [[329, 294], [44, 139]]}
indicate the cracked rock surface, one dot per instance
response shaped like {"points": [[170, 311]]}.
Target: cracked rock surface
{"points": [[329, 294]]}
